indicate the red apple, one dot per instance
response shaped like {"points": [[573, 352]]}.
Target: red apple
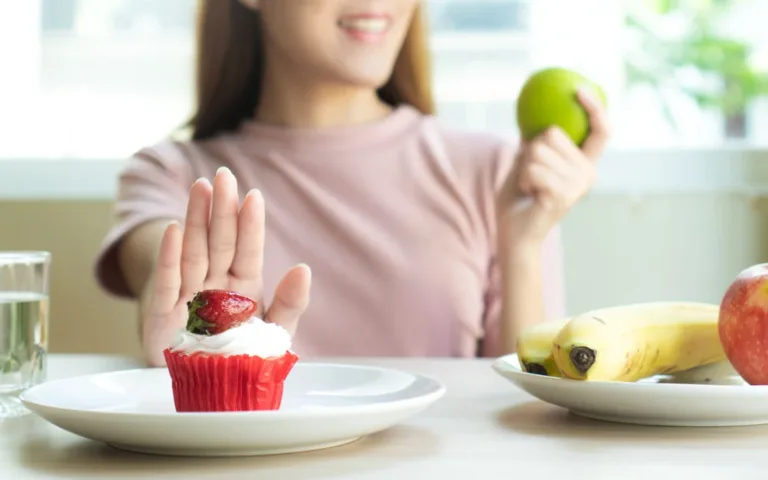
{"points": [[743, 324]]}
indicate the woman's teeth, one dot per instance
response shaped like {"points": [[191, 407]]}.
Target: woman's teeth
{"points": [[368, 25]]}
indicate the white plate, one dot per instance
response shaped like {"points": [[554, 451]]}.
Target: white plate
{"points": [[324, 405], [705, 397]]}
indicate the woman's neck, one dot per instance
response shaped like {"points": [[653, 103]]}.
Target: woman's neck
{"points": [[291, 99]]}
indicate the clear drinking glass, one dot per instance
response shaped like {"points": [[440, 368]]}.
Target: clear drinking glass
{"points": [[23, 326]]}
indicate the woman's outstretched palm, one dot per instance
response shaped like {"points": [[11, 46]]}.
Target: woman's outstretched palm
{"points": [[221, 246]]}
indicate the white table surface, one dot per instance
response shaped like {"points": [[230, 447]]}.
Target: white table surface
{"points": [[484, 428]]}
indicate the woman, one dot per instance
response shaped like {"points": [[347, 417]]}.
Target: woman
{"points": [[422, 240]]}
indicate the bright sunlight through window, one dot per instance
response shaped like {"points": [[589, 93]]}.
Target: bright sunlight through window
{"points": [[101, 78]]}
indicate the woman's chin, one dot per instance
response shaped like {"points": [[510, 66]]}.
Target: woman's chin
{"points": [[373, 79]]}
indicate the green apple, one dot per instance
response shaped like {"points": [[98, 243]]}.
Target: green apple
{"points": [[548, 98]]}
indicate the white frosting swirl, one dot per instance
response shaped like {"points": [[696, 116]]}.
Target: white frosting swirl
{"points": [[254, 337]]}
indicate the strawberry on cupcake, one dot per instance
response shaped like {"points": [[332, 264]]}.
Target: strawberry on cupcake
{"points": [[228, 359]]}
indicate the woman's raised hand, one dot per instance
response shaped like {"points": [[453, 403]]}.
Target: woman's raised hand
{"points": [[221, 246], [550, 175]]}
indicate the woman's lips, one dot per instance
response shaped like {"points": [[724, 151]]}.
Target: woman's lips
{"points": [[368, 28]]}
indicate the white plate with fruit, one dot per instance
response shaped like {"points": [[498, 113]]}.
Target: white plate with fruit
{"points": [[233, 387], [658, 363], [323, 405]]}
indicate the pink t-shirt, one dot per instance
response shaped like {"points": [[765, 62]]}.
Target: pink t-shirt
{"points": [[395, 218]]}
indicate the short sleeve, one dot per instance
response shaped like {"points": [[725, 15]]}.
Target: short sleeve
{"points": [[553, 281], [153, 185]]}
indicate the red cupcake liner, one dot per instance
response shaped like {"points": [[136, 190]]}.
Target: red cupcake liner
{"points": [[211, 383]]}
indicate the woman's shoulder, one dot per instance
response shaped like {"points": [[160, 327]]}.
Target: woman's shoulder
{"points": [[176, 150], [182, 155]]}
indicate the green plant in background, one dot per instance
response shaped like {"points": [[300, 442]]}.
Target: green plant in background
{"points": [[726, 79]]}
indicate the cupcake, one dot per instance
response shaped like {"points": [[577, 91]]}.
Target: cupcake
{"points": [[227, 359]]}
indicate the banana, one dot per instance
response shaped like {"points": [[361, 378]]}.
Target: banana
{"points": [[631, 342], [534, 348]]}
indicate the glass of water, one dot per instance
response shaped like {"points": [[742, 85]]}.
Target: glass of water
{"points": [[23, 326]]}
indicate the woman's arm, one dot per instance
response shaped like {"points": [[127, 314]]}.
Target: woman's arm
{"points": [[521, 290], [549, 175], [137, 255], [153, 189], [531, 286], [526, 287]]}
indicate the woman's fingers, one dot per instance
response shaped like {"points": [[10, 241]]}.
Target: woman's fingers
{"points": [[194, 256], [550, 187], [167, 281], [537, 153], [246, 269], [222, 232], [291, 298], [558, 140], [599, 130]]}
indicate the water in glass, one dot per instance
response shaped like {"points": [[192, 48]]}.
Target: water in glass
{"points": [[23, 329]]}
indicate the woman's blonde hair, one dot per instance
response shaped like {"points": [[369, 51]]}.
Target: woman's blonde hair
{"points": [[230, 68]]}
